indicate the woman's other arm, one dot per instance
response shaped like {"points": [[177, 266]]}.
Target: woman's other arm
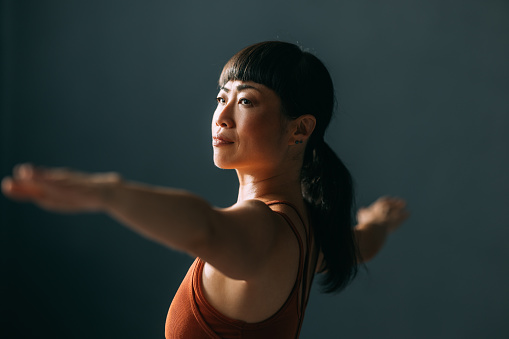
{"points": [[376, 222]]}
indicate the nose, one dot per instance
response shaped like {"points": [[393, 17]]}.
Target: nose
{"points": [[223, 117]]}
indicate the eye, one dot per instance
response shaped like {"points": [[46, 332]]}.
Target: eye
{"points": [[220, 100], [245, 101]]}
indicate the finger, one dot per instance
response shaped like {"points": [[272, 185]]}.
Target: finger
{"points": [[23, 171], [28, 172], [20, 191], [6, 185], [58, 175]]}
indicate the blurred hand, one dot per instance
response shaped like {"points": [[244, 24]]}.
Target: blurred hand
{"points": [[387, 211], [59, 189]]}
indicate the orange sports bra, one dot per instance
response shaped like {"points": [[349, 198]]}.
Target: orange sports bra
{"points": [[191, 316]]}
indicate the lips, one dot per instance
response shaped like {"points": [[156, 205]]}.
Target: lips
{"points": [[220, 140]]}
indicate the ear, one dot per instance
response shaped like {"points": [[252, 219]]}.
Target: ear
{"points": [[303, 126]]}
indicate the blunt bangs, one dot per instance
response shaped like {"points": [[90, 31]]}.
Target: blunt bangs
{"points": [[266, 63]]}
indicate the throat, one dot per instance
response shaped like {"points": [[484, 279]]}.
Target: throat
{"points": [[268, 188]]}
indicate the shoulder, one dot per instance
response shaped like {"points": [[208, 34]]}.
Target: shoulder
{"points": [[267, 220], [248, 206], [245, 238], [248, 214]]}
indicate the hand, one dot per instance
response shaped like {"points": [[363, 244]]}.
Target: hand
{"points": [[387, 211], [58, 189]]}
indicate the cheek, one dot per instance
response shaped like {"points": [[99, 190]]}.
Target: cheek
{"points": [[261, 136], [253, 130]]}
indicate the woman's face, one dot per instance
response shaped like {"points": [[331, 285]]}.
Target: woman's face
{"points": [[248, 127]]}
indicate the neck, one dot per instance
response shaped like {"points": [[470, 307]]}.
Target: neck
{"points": [[282, 185]]}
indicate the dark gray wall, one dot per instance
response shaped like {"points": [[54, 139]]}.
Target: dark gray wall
{"points": [[423, 88]]}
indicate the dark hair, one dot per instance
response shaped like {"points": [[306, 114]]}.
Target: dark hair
{"points": [[305, 87]]}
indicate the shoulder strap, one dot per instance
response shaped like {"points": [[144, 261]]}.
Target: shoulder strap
{"points": [[282, 202], [304, 260]]}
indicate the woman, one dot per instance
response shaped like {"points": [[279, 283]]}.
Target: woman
{"points": [[256, 259]]}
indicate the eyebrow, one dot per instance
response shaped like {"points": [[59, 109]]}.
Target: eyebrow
{"points": [[240, 87]]}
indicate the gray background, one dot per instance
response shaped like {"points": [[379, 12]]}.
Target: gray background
{"points": [[129, 86]]}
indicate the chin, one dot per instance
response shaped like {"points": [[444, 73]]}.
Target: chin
{"points": [[223, 164]]}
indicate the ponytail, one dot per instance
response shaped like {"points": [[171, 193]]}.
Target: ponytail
{"points": [[328, 190]]}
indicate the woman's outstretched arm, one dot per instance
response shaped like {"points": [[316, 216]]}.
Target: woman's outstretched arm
{"points": [[376, 222], [238, 240], [146, 209]]}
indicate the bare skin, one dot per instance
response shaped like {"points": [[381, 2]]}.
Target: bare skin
{"points": [[250, 252], [376, 222]]}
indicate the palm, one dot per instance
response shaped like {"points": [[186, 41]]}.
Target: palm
{"points": [[390, 212]]}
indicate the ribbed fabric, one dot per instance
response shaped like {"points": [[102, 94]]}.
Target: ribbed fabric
{"points": [[191, 316]]}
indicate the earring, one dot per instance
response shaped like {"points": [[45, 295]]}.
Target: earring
{"points": [[298, 141]]}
